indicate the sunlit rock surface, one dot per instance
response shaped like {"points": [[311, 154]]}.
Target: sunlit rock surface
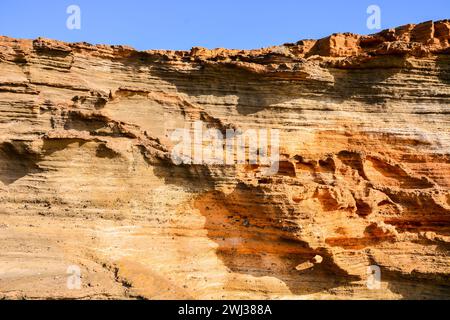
{"points": [[87, 179]]}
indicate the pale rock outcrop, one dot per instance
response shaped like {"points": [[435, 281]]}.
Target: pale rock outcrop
{"points": [[87, 180]]}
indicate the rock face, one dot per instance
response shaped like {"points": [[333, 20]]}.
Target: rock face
{"points": [[88, 186]]}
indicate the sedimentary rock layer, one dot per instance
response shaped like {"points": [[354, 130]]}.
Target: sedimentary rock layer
{"points": [[87, 180]]}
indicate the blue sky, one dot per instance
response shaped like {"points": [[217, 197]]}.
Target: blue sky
{"points": [[176, 24]]}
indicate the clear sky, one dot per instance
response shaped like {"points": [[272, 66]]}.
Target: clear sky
{"points": [[182, 24]]}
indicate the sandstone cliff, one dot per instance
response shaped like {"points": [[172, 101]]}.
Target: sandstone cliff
{"points": [[87, 181]]}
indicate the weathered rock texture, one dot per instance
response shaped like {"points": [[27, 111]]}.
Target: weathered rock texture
{"points": [[86, 177]]}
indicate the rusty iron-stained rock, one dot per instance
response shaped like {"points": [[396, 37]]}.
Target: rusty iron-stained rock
{"points": [[87, 179]]}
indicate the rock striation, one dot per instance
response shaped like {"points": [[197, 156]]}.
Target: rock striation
{"points": [[87, 182]]}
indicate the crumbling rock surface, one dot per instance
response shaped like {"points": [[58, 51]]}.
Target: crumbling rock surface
{"points": [[87, 180]]}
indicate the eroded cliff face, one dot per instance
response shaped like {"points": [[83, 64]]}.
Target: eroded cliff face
{"points": [[87, 179]]}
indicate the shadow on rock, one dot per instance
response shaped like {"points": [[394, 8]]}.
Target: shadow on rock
{"points": [[256, 238]]}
